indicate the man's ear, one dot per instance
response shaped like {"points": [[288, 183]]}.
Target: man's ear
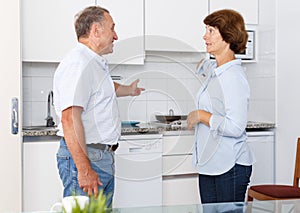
{"points": [[96, 30]]}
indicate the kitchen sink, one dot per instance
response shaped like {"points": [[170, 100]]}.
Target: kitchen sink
{"points": [[39, 128]]}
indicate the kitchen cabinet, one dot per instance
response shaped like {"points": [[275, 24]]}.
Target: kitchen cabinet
{"points": [[48, 35], [171, 26], [42, 186], [129, 48], [10, 87], [248, 8], [138, 171], [263, 146], [180, 178], [47, 28]]}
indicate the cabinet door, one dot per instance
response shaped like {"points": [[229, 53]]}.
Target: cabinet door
{"points": [[178, 145], [181, 190], [42, 185], [10, 87], [138, 180], [48, 28], [264, 168], [171, 26], [248, 8], [129, 20]]}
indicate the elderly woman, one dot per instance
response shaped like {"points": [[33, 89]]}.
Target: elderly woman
{"points": [[221, 155]]}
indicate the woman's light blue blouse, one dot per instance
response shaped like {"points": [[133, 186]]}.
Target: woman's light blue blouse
{"points": [[225, 93]]}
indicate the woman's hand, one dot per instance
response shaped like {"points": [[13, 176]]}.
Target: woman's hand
{"points": [[192, 119], [198, 116]]}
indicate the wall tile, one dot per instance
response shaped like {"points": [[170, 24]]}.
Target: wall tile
{"points": [[132, 110], [182, 70], [123, 108], [265, 68], [156, 108], [27, 89], [157, 89], [262, 110], [27, 113], [179, 107], [178, 90], [193, 86], [168, 85], [262, 88], [38, 69], [39, 113], [158, 73], [41, 86], [190, 106]]}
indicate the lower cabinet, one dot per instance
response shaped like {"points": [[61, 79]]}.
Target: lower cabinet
{"points": [[180, 178], [180, 181], [263, 146], [138, 171], [42, 186], [181, 190]]}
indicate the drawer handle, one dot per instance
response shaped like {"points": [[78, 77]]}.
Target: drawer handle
{"points": [[135, 149]]}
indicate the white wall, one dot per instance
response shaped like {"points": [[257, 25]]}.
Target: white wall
{"points": [[288, 88]]}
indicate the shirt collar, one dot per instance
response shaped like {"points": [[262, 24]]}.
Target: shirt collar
{"points": [[103, 61], [222, 68]]}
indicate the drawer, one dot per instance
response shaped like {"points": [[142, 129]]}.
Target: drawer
{"points": [[182, 190], [177, 145], [178, 165], [131, 146]]}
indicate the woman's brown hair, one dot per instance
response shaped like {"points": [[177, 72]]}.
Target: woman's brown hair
{"points": [[231, 26]]}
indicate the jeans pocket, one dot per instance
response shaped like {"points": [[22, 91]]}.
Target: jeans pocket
{"points": [[248, 171], [63, 165], [94, 154]]}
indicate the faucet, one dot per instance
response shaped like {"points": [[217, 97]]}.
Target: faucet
{"points": [[49, 119]]}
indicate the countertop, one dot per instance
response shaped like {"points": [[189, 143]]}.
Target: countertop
{"points": [[150, 129]]}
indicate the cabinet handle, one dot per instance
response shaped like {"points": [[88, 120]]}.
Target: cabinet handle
{"points": [[14, 116], [135, 149]]}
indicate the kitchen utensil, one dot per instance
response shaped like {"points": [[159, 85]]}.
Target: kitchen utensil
{"points": [[129, 123], [170, 118]]}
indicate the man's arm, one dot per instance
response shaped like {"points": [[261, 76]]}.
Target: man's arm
{"points": [[128, 90], [88, 179]]}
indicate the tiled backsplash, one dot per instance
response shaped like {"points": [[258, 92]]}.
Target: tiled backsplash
{"points": [[169, 85], [37, 83]]}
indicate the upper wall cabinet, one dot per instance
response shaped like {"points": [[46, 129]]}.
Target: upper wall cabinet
{"points": [[175, 26], [129, 20], [48, 28], [248, 8]]}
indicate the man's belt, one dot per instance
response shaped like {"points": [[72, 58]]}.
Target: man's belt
{"points": [[110, 148]]}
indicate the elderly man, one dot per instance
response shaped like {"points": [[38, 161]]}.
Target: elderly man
{"points": [[85, 102]]}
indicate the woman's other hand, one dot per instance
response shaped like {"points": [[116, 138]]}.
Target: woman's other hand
{"points": [[198, 116]]}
